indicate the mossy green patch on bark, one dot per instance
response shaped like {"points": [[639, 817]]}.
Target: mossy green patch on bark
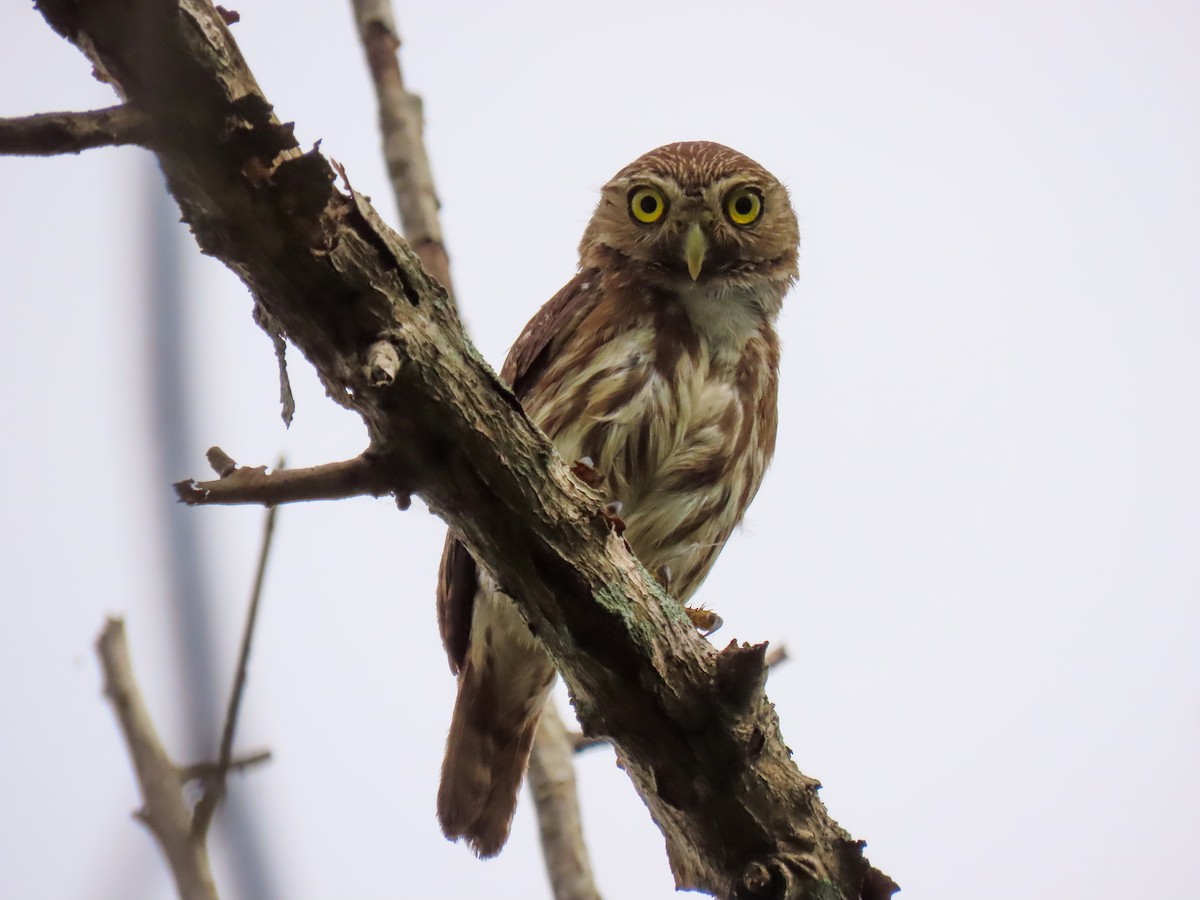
{"points": [[614, 597]]}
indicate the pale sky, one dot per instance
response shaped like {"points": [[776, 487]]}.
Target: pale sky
{"points": [[980, 540]]}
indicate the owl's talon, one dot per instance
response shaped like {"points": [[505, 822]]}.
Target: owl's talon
{"points": [[663, 576], [703, 620], [585, 470], [612, 514]]}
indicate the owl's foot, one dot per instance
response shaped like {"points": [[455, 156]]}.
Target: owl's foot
{"points": [[612, 515], [703, 620], [585, 470], [663, 576]]}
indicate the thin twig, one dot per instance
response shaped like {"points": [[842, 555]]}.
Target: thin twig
{"points": [[214, 790], [203, 771], [357, 477], [402, 126], [164, 810], [239, 678], [51, 134]]}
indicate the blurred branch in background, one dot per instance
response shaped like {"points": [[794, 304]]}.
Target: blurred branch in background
{"points": [[169, 400], [402, 127], [164, 810], [551, 768], [190, 598], [552, 784], [214, 788], [180, 829]]}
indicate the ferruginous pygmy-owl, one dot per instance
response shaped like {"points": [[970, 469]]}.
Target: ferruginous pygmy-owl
{"points": [[658, 362]]}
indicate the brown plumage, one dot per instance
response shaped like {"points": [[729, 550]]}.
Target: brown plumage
{"points": [[659, 362]]}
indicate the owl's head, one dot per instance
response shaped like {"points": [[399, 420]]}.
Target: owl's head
{"points": [[695, 213]]}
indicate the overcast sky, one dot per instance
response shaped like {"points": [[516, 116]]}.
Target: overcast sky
{"points": [[980, 540]]}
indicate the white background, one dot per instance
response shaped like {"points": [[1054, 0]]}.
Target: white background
{"points": [[980, 540]]}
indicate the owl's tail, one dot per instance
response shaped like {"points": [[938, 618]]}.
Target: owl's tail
{"points": [[495, 718]]}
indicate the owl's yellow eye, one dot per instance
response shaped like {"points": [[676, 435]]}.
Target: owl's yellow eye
{"points": [[743, 206], [647, 205]]}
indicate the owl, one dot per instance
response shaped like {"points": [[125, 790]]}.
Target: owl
{"points": [[658, 363]]}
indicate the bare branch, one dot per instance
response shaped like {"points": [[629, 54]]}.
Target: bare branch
{"points": [[163, 808], [183, 832], [239, 678], [363, 475], [50, 134], [214, 789], [552, 783], [402, 126]]}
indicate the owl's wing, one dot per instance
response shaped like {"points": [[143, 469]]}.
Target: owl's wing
{"points": [[455, 600], [553, 325]]}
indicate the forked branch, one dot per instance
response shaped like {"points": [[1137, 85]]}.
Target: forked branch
{"points": [[164, 810], [180, 829]]}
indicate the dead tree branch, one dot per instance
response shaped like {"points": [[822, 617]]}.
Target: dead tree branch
{"points": [[361, 476], [181, 831], [579, 742], [164, 810], [50, 134], [698, 737]]}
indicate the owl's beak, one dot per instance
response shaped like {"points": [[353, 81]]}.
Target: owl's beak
{"points": [[694, 247]]}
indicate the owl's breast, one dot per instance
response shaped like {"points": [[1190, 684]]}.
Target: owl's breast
{"points": [[608, 403], [673, 427]]}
